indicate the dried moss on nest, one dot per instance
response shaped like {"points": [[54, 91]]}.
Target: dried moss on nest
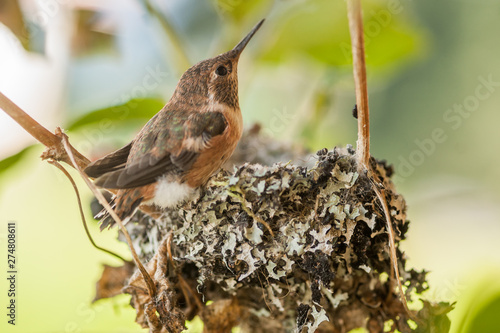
{"points": [[326, 269]]}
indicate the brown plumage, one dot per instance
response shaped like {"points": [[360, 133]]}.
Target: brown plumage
{"points": [[183, 144]]}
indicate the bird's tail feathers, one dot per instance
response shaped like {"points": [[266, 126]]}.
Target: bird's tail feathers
{"points": [[125, 208]]}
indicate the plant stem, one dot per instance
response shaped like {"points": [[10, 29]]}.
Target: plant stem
{"points": [[147, 278], [82, 214], [355, 18], [359, 69], [55, 149], [29, 124]]}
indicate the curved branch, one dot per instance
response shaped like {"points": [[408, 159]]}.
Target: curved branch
{"points": [[82, 214], [55, 149], [147, 278], [29, 124]]}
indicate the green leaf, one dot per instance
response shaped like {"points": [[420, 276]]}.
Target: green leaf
{"points": [[487, 318], [13, 159], [133, 109], [434, 317]]}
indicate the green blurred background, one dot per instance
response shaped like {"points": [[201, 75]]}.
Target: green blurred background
{"points": [[101, 69]]}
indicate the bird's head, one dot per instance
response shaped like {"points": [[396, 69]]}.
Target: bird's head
{"points": [[215, 79]]}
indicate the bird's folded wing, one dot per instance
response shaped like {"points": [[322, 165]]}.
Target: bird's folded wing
{"points": [[111, 162], [158, 160]]}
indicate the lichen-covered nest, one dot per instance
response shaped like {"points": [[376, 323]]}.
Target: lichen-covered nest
{"points": [[280, 248]]}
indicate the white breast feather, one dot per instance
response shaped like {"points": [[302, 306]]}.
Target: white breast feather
{"points": [[168, 194]]}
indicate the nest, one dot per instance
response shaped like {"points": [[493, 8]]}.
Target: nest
{"points": [[280, 248]]}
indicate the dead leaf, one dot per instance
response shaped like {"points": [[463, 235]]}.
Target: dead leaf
{"points": [[161, 313], [113, 280]]}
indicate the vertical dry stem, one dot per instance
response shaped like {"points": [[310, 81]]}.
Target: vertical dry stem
{"points": [[359, 69], [355, 17]]}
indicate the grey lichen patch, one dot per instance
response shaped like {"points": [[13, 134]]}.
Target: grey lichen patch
{"points": [[326, 267]]}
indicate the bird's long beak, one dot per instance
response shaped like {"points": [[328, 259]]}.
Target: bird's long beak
{"points": [[241, 45]]}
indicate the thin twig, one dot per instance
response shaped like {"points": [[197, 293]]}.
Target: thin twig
{"points": [[82, 215], [359, 68], [105, 204], [29, 124], [55, 150], [392, 249]]}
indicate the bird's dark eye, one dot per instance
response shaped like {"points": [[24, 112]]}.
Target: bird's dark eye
{"points": [[221, 71]]}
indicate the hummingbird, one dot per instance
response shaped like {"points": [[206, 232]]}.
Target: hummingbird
{"points": [[184, 144]]}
